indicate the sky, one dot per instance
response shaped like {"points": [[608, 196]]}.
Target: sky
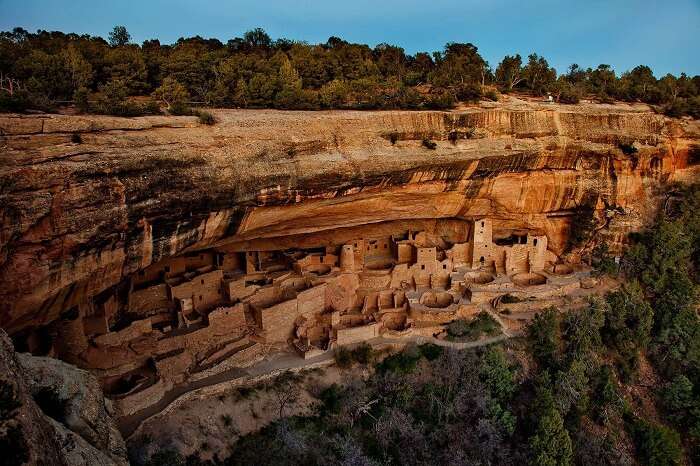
{"points": [[664, 35]]}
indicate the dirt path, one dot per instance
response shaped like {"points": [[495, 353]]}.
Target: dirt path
{"points": [[279, 362]]}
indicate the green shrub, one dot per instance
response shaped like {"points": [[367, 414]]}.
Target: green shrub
{"points": [[510, 299], [363, 354], [458, 328], [22, 100], [343, 358], [482, 324], [569, 95], [468, 92], [428, 144], [205, 118], [180, 109], [431, 351], [404, 362], [603, 262], [657, 445], [627, 148], [331, 398], [491, 94], [80, 98]]}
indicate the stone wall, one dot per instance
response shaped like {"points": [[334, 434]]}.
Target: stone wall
{"points": [[149, 300], [349, 336], [277, 322], [136, 329]]}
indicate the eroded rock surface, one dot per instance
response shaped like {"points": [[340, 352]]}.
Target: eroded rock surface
{"points": [[78, 218], [85, 434], [86, 418]]}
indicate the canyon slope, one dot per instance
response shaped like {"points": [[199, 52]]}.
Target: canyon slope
{"points": [[88, 201]]}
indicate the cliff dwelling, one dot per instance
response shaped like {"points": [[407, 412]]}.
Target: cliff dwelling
{"points": [[162, 269], [200, 312]]}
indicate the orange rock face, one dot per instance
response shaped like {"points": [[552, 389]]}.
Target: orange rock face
{"points": [[79, 219]]}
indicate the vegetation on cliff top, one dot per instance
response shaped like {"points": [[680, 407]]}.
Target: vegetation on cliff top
{"points": [[40, 70]]}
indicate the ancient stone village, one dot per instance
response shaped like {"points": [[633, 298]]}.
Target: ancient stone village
{"points": [[204, 312]]}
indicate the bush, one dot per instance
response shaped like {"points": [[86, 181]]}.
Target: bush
{"points": [[75, 138], [603, 262], [482, 324], [428, 144], [569, 95], [180, 109], [22, 100], [468, 92], [205, 118], [439, 100], [510, 299], [491, 94], [80, 97], [656, 445], [404, 362], [363, 354], [431, 351], [393, 137], [627, 149], [331, 398], [343, 358]]}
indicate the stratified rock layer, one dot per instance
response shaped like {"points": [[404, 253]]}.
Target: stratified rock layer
{"points": [[79, 218]]}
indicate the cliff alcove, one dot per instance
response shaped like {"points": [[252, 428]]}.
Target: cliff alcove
{"points": [[160, 252]]}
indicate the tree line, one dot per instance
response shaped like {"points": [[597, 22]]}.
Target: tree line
{"points": [[43, 69]]}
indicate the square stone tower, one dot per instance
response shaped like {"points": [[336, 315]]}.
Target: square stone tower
{"points": [[482, 243]]}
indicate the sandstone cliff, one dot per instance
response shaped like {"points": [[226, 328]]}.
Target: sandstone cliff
{"points": [[87, 201], [84, 434]]}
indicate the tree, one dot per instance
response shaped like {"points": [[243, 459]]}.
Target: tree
{"points": [[657, 445], [538, 74], [334, 94], [459, 65], [119, 36], [257, 38], [628, 326], [509, 72], [551, 444], [79, 69], [543, 334], [602, 80], [171, 93]]}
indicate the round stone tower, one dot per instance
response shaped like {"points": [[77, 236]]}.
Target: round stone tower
{"points": [[347, 258]]}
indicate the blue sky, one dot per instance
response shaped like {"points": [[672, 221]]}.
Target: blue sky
{"points": [[623, 33]]}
